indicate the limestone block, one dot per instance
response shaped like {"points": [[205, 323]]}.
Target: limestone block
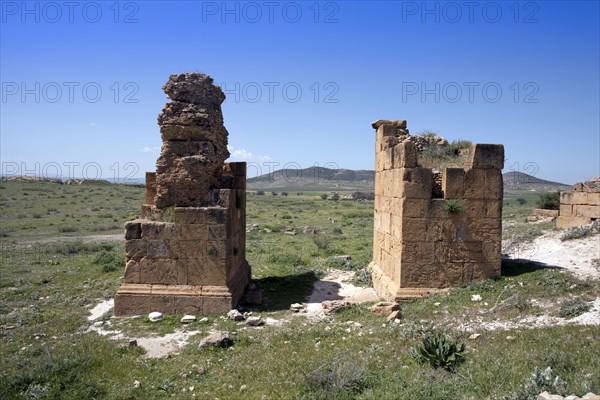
{"points": [[396, 225], [491, 250], [135, 249], [132, 272], [388, 159], [158, 271], [133, 229], [219, 232], [405, 155], [158, 249], [486, 156], [385, 222], [411, 208], [414, 229], [494, 209], [156, 230], [494, 187], [593, 199], [453, 183], [201, 271], [566, 210], [475, 184], [566, 198], [193, 233], [200, 215], [150, 187], [579, 198], [540, 212], [586, 211], [400, 123], [476, 208]]}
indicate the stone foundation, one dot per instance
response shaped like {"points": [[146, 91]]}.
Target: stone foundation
{"points": [[425, 238]]}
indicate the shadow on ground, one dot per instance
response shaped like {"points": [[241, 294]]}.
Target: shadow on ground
{"points": [[280, 292], [519, 266]]}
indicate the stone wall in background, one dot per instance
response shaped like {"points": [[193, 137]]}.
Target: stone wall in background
{"points": [[580, 206], [428, 237]]}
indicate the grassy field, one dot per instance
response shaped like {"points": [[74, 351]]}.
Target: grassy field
{"points": [[47, 287]]}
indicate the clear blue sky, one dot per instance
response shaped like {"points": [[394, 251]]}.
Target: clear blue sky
{"points": [[523, 74]]}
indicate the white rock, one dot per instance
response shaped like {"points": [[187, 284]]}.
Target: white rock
{"points": [[98, 324], [254, 321], [155, 316], [203, 320], [475, 297], [474, 336], [188, 319], [136, 384], [235, 315]]}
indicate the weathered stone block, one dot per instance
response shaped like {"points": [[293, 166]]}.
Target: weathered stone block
{"points": [[135, 249], [150, 187], [593, 199], [132, 272], [586, 211], [566, 210], [200, 215], [494, 187], [579, 198], [475, 184], [566, 198], [405, 155], [158, 249], [133, 230], [453, 183], [156, 230], [486, 156], [158, 271], [570, 222]]}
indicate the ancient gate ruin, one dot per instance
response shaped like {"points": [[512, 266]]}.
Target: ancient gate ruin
{"points": [[580, 206], [187, 253], [431, 234]]}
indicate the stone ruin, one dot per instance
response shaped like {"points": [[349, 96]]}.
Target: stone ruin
{"points": [[186, 254], [580, 206], [429, 236]]}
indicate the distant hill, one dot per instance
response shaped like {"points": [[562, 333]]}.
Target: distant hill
{"points": [[319, 178], [314, 178], [514, 180]]}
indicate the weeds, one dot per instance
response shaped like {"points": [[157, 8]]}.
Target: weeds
{"points": [[439, 350], [573, 308], [581, 231], [335, 378], [540, 381]]}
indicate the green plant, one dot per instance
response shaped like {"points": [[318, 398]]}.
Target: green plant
{"points": [[322, 241], [337, 378], [549, 201], [108, 260], [581, 231], [521, 201], [540, 381], [572, 308], [324, 196], [439, 350], [453, 206]]}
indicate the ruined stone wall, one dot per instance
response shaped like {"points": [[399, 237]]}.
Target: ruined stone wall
{"points": [[187, 252], [581, 206], [422, 243]]}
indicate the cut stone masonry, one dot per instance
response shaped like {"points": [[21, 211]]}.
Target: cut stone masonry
{"points": [[581, 206], [425, 238], [187, 252]]}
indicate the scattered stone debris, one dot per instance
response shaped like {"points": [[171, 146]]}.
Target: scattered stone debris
{"points": [[136, 384], [331, 306], [216, 339], [309, 230], [384, 308], [475, 297], [254, 321], [133, 343], [290, 231], [235, 315], [394, 315], [187, 319], [344, 257], [155, 316], [298, 308]]}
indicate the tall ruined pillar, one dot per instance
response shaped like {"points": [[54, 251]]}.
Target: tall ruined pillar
{"points": [[187, 252], [427, 237]]}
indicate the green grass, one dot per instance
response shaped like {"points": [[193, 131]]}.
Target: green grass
{"points": [[47, 288]]}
